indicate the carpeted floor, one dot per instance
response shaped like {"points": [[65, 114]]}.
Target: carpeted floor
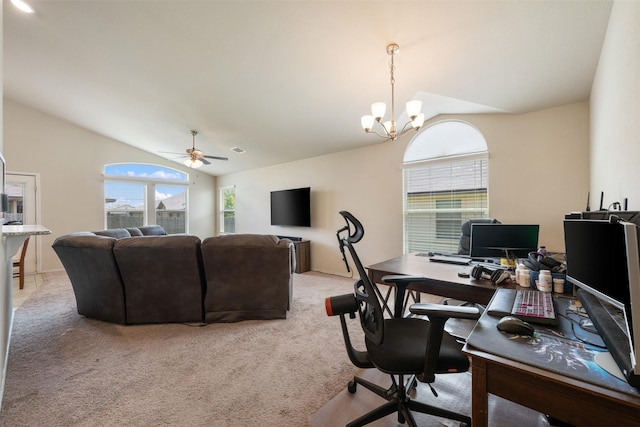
{"points": [[66, 370]]}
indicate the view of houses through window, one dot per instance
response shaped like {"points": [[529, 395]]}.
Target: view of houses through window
{"points": [[445, 184], [141, 194]]}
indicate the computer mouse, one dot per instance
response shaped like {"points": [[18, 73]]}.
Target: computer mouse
{"points": [[513, 325]]}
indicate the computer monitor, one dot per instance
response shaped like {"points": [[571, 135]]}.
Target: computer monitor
{"points": [[495, 240], [603, 259]]}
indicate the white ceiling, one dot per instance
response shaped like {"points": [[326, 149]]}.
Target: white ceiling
{"points": [[287, 80]]}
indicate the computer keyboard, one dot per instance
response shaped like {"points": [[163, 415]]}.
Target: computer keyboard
{"points": [[528, 305], [450, 259], [533, 304]]}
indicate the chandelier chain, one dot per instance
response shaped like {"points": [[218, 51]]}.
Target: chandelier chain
{"points": [[393, 95]]}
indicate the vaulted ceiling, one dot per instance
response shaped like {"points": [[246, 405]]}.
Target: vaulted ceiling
{"points": [[287, 80]]}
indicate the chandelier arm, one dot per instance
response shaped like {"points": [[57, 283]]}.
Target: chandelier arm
{"points": [[385, 135], [405, 129]]}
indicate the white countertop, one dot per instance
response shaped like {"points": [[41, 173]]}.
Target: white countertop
{"points": [[24, 230]]}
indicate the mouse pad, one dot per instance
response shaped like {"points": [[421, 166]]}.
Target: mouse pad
{"points": [[549, 350]]}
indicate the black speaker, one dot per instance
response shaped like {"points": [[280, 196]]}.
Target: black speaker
{"points": [[497, 276]]}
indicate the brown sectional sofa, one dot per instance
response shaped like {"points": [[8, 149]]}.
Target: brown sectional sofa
{"points": [[156, 278], [233, 259]]}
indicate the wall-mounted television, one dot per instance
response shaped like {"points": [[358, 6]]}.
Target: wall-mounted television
{"points": [[291, 207]]}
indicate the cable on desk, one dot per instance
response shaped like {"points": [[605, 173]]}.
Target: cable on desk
{"points": [[580, 323]]}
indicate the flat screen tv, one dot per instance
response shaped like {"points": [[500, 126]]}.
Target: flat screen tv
{"points": [[493, 240], [291, 207], [603, 259]]}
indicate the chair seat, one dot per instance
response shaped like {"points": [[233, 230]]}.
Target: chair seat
{"points": [[403, 349]]}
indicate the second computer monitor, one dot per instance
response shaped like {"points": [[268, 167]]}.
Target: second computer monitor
{"points": [[493, 240]]}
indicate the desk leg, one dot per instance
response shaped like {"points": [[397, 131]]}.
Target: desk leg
{"points": [[479, 394]]}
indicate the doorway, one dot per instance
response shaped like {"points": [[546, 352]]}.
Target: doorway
{"points": [[23, 209]]}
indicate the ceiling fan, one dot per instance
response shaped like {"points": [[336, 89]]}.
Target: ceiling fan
{"points": [[196, 158]]}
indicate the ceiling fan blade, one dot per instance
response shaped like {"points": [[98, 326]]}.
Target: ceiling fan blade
{"points": [[171, 152], [216, 157], [204, 161]]}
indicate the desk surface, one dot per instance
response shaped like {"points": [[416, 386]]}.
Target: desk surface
{"points": [[604, 401], [442, 278]]}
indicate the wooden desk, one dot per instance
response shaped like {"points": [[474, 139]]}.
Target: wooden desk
{"points": [[571, 400], [442, 278]]}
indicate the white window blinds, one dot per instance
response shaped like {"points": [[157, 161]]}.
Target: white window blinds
{"points": [[439, 198]]}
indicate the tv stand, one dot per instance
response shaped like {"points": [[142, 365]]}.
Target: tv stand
{"points": [[303, 253], [293, 239]]}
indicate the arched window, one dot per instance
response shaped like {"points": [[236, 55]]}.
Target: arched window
{"points": [[138, 194], [445, 184]]}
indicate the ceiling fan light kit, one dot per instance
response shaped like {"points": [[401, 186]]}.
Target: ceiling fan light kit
{"points": [[378, 109], [196, 158], [195, 164]]}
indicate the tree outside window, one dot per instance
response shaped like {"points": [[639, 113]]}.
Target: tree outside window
{"points": [[228, 210]]}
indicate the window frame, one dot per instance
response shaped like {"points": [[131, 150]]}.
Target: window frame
{"points": [[149, 184], [432, 236], [222, 213]]}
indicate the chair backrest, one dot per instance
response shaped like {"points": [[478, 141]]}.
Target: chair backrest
{"points": [[369, 309], [22, 253], [465, 237]]}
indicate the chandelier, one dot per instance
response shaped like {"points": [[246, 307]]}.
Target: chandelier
{"points": [[378, 109]]}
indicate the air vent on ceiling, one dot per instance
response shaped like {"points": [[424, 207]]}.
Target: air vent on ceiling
{"points": [[238, 150]]}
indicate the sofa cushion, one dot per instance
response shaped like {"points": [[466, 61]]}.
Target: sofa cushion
{"points": [[117, 233], [135, 232], [152, 230], [162, 277]]}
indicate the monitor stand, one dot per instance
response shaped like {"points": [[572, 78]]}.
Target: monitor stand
{"points": [[615, 338], [606, 362]]}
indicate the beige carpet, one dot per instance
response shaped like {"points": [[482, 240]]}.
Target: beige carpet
{"points": [[66, 370]]}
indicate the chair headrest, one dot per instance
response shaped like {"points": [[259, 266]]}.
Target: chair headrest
{"points": [[358, 230]]}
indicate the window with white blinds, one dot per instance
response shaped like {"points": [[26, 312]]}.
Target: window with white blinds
{"points": [[443, 191]]}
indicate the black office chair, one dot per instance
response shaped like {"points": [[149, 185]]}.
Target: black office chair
{"points": [[409, 348], [465, 237]]}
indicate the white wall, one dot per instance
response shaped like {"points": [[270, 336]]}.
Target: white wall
{"points": [[6, 302], [538, 171], [70, 161], [615, 110]]}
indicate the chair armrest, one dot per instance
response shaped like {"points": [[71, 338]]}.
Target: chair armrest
{"points": [[401, 283], [341, 304], [445, 311]]}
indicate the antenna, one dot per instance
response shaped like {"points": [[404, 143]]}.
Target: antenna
{"points": [[601, 199]]}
